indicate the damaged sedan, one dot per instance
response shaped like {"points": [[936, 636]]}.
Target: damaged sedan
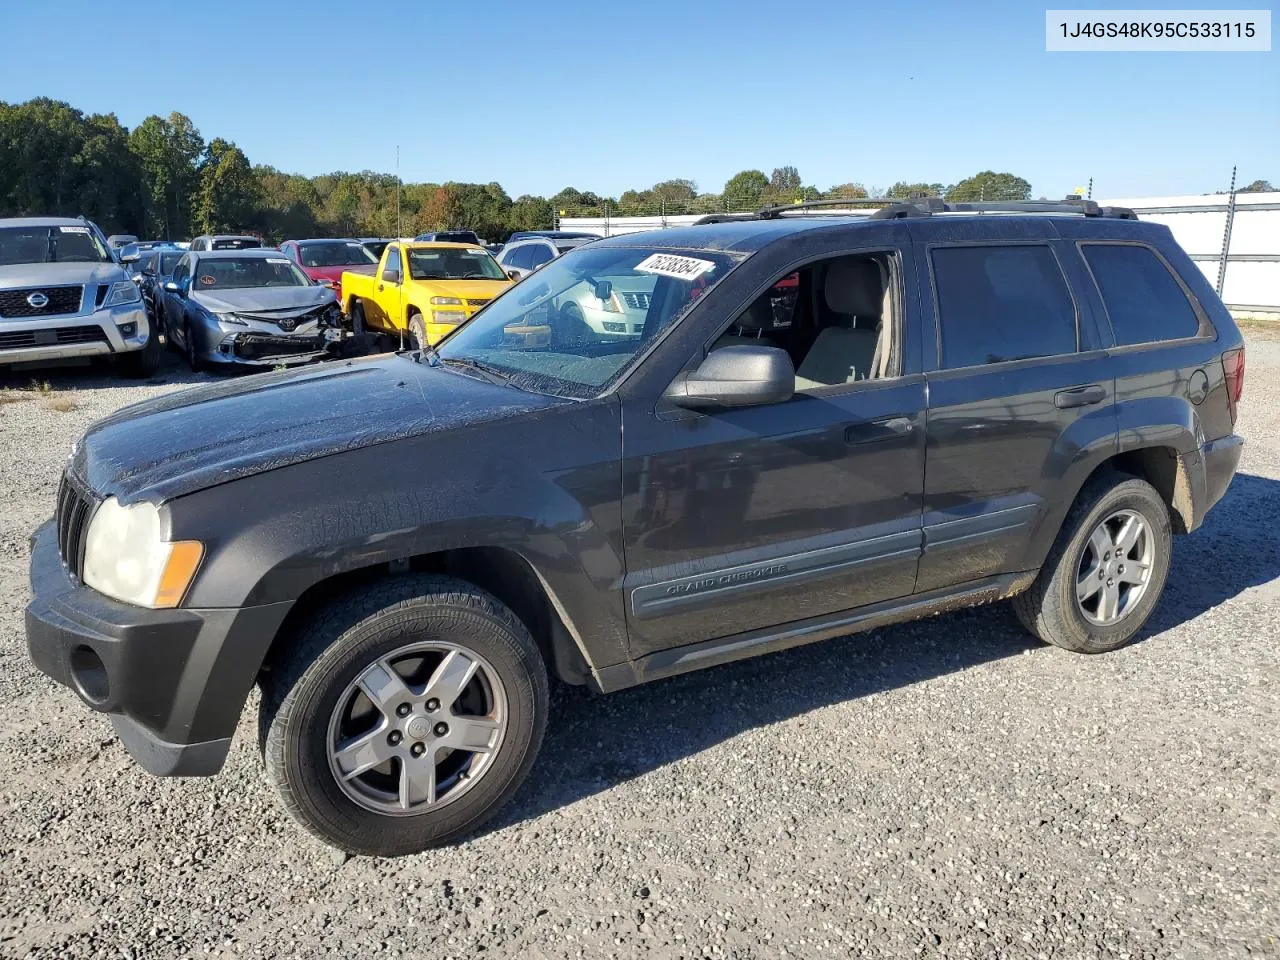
{"points": [[247, 308]]}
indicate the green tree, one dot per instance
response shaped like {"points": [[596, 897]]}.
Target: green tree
{"points": [[991, 186], [745, 189], [846, 191], [530, 213], [167, 152], [902, 190], [1258, 186], [785, 183], [228, 196], [674, 191]]}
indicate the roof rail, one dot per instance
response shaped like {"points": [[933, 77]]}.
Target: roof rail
{"points": [[917, 205]]}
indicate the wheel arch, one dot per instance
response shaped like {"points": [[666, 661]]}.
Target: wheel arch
{"points": [[503, 572]]}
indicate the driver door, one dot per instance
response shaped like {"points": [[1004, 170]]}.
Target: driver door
{"points": [[388, 291]]}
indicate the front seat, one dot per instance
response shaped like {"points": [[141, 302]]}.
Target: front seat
{"points": [[844, 351], [750, 327]]}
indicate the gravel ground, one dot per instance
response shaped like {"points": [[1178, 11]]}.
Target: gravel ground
{"points": [[946, 788]]}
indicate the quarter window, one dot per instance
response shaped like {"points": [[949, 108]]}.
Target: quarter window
{"points": [[1143, 300], [1002, 303]]}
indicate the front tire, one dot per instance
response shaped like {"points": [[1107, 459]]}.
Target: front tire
{"points": [[358, 323], [417, 331], [406, 716], [1106, 571], [145, 362], [189, 348]]}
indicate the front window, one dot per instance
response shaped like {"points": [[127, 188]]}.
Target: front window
{"points": [[234, 243], [337, 254], [572, 328], [168, 261], [443, 263], [70, 244], [240, 272]]}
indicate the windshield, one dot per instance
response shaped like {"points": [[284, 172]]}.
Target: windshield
{"points": [[224, 272], [337, 254], [51, 244], [442, 263], [234, 243], [574, 326]]}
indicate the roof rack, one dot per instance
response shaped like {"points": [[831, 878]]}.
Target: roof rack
{"points": [[918, 205]]}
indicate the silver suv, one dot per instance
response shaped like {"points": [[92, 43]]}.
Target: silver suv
{"points": [[64, 295]]}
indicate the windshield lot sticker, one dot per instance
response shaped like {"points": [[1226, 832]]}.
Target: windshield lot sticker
{"points": [[669, 265], [208, 281], [73, 229], [278, 260]]}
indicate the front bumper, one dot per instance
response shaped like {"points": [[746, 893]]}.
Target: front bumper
{"points": [[255, 349], [173, 681], [99, 333]]}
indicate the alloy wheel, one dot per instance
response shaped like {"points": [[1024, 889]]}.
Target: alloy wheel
{"points": [[1115, 568], [417, 728]]}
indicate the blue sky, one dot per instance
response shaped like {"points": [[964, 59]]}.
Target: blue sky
{"points": [[604, 95]]}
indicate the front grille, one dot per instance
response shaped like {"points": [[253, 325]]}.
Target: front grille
{"points": [[75, 508], [15, 303], [478, 302], [58, 336], [262, 346], [636, 301]]}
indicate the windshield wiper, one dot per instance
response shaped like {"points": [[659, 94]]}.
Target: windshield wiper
{"points": [[491, 373]]}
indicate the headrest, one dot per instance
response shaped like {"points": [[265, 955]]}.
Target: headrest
{"points": [[758, 316], [853, 286]]}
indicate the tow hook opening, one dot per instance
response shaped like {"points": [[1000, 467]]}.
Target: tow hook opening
{"points": [[90, 675]]}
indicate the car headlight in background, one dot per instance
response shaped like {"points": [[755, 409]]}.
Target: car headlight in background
{"points": [[612, 305], [446, 302], [448, 316], [122, 291], [232, 319], [125, 557]]}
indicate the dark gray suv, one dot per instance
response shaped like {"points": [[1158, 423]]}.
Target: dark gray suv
{"points": [[822, 425]]}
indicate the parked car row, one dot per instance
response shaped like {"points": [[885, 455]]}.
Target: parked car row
{"points": [[287, 305]]}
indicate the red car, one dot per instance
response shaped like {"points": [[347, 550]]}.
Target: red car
{"points": [[325, 260]]}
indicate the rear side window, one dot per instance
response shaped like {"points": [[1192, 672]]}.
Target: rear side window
{"points": [[539, 254], [1003, 303], [1143, 299]]}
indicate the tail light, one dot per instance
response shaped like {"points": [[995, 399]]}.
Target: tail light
{"points": [[1233, 367]]}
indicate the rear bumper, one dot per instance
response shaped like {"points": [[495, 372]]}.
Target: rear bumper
{"points": [[1221, 457], [173, 681]]}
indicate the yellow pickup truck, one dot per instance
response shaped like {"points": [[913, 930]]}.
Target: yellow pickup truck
{"points": [[424, 289]]}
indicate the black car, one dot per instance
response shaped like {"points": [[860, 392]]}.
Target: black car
{"points": [[451, 236], [245, 309], [823, 426], [376, 245], [152, 272]]}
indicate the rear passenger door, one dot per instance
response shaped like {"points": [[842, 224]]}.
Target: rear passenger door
{"points": [[1020, 397]]}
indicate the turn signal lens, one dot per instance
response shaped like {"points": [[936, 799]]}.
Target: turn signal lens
{"points": [[179, 571]]}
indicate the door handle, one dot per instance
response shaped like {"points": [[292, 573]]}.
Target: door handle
{"points": [[874, 431], [380, 288], [1079, 396]]}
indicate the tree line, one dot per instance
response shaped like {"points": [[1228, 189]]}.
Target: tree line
{"points": [[163, 180]]}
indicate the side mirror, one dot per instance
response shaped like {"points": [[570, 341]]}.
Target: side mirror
{"points": [[172, 286], [515, 273], [391, 276], [736, 376], [604, 289]]}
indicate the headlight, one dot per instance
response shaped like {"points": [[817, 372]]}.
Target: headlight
{"points": [[232, 319], [122, 291], [446, 301], [125, 558]]}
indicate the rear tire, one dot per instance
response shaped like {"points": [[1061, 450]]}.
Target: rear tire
{"points": [[321, 728], [358, 323], [1096, 589]]}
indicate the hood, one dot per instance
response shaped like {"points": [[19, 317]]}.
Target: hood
{"points": [[335, 273], [57, 274], [463, 289], [281, 300], [204, 436]]}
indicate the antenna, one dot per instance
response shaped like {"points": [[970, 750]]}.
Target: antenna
{"points": [[399, 232]]}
